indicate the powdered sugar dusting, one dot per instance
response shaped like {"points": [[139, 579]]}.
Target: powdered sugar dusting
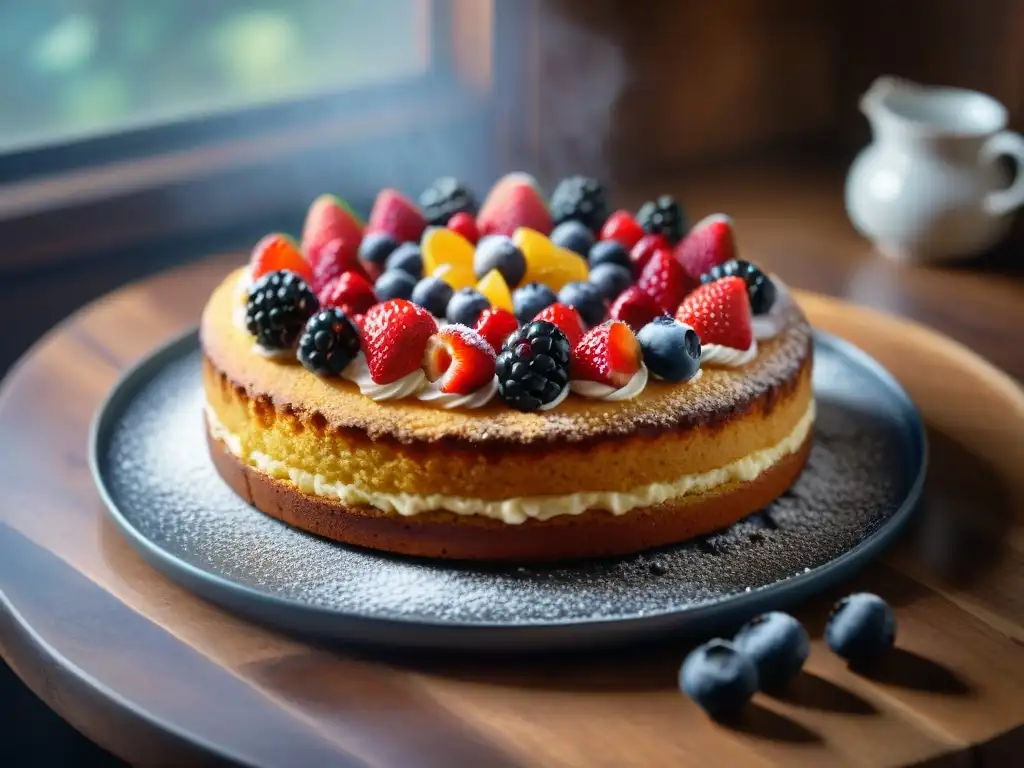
{"points": [[158, 472]]}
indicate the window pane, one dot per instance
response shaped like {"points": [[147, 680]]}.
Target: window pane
{"points": [[75, 67]]}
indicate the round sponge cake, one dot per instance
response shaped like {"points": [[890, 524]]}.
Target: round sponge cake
{"points": [[588, 478]]}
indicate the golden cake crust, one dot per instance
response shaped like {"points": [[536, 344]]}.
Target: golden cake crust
{"points": [[325, 429], [720, 395]]}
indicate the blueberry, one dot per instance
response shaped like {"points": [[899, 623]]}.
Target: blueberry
{"points": [[861, 628], [586, 299], [433, 294], [718, 678], [777, 644], [394, 284], [465, 306], [608, 252], [611, 279], [671, 349], [574, 235], [407, 257], [376, 247], [500, 253], [530, 299]]}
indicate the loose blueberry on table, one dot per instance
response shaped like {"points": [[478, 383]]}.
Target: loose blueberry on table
{"points": [[718, 678], [778, 646], [861, 628]]}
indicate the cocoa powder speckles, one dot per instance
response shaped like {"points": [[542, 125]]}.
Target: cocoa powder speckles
{"points": [[158, 472]]}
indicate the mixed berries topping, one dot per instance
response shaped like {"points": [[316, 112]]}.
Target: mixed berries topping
{"points": [[275, 253], [459, 360], [445, 198], [760, 288], [533, 367], [278, 307], [519, 267], [395, 337], [663, 216], [329, 342], [566, 319], [608, 354], [580, 199], [720, 313], [671, 349], [495, 325], [711, 242]]}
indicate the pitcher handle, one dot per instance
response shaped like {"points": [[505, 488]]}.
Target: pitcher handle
{"points": [[1005, 144]]}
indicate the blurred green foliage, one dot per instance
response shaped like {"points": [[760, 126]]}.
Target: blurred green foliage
{"points": [[73, 67]]}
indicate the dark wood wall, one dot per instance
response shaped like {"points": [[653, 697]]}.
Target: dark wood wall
{"points": [[689, 82]]}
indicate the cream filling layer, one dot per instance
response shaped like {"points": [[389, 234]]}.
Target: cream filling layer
{"points": [[515, 511]]}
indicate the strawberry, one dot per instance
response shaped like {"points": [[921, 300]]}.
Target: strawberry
{"points": [[332, 259], [496, 325], [635, 308], [357, 321], [395, 336], [512, 203], [328, 219], [623, 227], [349, 291], [720, 313], [465, 225], [396, 215], [608, 353], [641, 253], [711, 242], [566, 319], [459, 360], [665, 280], [276, 252]]}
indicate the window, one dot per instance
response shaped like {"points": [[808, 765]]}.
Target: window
{"points": [[74, 69], [124, 121]]}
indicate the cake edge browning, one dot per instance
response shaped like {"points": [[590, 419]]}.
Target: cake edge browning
{"points": [[445, 535]]}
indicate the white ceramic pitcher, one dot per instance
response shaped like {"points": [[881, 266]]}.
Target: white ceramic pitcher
{"points": [[929, 186]]}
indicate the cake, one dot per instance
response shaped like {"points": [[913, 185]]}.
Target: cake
{"points": [[524, 380]]}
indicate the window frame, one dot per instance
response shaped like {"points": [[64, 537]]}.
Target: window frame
{"points": [[81, 198]]}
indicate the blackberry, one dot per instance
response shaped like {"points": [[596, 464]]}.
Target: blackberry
{"points": [[533, 367], [579, 198], [444, 198], [760, 287], [663, 217], [279, 305], [329, 343]]}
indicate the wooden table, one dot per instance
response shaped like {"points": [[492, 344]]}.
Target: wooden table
{"points": [[158, 676]]}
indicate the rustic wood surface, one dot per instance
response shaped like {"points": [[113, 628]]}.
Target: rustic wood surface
{"points": [[160, 677]]}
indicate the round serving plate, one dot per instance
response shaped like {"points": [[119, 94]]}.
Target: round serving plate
{"points": [[861, 483]]}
